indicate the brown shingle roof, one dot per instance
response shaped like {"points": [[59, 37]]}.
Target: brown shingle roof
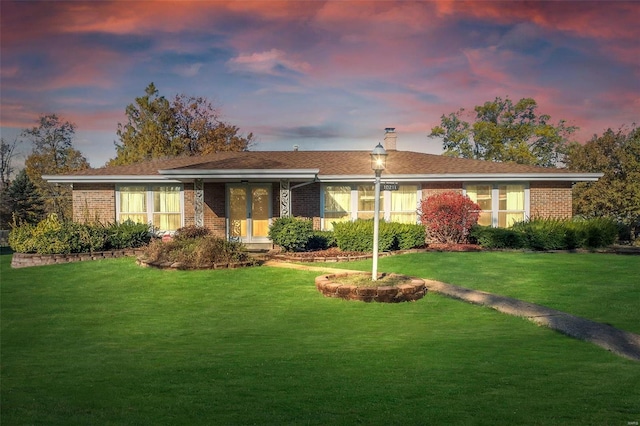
{"points": [[330, 163]]}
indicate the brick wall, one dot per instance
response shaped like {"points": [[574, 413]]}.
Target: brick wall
{"points": [[94, 201], [214, 208], [432, 188], [189, 205], [551, 199], [305, 202]]}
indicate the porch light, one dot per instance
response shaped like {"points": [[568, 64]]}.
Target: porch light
{"points": [[378, 159], [378, 164]]}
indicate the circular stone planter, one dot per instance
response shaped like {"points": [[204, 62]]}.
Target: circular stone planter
{"points": [[330, 286]]}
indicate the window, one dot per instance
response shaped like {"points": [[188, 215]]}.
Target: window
{"points": [[404, 204], [166, 207], [502, 205], [159, 205], [366, 202], [342, 203], [481, 194], [337, 205]]}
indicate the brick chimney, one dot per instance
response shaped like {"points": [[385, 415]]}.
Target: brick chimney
{"points": [[390, 138]]}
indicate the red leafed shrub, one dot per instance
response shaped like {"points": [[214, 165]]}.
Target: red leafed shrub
{"points": [[448, 217]]}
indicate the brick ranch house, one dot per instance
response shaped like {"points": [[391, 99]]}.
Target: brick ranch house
{"points": [[238, 194]]}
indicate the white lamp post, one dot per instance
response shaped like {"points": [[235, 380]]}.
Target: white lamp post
{"points": [[378, 164]]}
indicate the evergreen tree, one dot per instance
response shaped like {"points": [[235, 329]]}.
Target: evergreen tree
{"points": [[21, 201]]}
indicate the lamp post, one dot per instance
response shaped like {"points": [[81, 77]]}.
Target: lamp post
{"points": [[378, 164]]}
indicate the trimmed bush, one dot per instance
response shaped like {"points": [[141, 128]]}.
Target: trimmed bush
{"points": [[497, 238], [448, 217], [52, 236], [549, 234], [290, 233], [321, 240], [358, 236]]}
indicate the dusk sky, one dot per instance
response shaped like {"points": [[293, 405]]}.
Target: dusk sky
{"points": [[318, 74]]}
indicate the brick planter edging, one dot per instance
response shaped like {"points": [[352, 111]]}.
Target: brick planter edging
{"points": [[335, 259], [27, 260], [179, 266], [330, 286]]}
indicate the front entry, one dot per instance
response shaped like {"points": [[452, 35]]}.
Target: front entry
{"points": [[249, 212]]}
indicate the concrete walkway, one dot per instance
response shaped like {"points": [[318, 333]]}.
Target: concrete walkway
{"points": [[620, 342]]}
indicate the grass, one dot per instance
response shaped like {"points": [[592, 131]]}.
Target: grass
{"points": [[601, 287], [110, 343]]}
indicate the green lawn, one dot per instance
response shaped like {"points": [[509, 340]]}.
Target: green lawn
{"points": [[110, 343]]}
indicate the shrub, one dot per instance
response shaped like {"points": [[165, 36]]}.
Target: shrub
{"points": [[193, 253], [321, 240], [192, 231], [599, 232], [448, 217], [544, 234], [128, 234], [497, 238], [358, 236], [290, 233], [52, 236], [409, 236]]}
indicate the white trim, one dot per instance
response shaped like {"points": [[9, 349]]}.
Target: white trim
{"points": [[495, 198], [149, 199], [241, 174], [468, 177], [109, 179]]}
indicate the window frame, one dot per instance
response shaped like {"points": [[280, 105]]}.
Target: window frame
{"points": [[385, 205], [150, 202], [495, 199]]}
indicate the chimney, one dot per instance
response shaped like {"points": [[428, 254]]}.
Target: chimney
{"points": [[390, 138]]}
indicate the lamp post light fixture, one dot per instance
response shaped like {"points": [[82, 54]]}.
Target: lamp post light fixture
{"points": [[378, 164]]}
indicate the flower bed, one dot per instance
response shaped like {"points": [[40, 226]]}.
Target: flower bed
{"points": [[330, 286]]}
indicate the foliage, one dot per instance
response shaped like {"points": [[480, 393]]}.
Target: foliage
{"points": [[617, 193], [358, 236], [191, 231], [128, 234], [506, 132], [53, 153], [408, 235], [448, 217], [291, 233], [21, 201], [186, 126], [54, 236], [497, 238], [549, 234], [321, 240], [196, 252]]}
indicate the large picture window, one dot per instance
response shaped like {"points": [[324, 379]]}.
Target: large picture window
{"points": [[159, 205], [502, 204], [337, 205], [343, 203]]}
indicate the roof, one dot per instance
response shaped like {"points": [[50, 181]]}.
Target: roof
{"points": [[324, 166]]}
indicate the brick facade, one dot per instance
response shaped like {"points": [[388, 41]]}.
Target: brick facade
{"points": [[215, 208], [432, 188], [305, 202], [551, 199], [94, 201]]}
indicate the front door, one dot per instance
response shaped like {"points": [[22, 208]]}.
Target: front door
{"points": [[249, 212]]}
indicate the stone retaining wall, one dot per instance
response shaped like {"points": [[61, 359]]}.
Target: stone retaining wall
{"points": [[330, 286], [179, 266], [26, 260]]}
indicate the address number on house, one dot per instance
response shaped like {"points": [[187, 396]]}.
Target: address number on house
{"points": [[389, 186]]}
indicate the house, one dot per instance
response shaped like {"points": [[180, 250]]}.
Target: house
{"points": [[238, 194]]}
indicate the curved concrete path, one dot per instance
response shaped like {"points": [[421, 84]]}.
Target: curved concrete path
{"points": [[620, 342]]}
